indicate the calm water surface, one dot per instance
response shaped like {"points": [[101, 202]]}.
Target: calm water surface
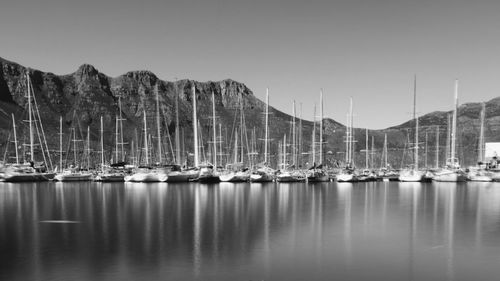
{"points": [[330, 231]]}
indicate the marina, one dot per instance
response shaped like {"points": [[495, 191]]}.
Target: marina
{"points": [[249, 140]]}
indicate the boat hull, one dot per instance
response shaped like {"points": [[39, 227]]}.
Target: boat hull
{"points": [[411, 176], [35, 177], [450, 176], [180, 177], [261, 178], [346, 178], [146, 177], [234, 177], [73, 177], [318, 178]]}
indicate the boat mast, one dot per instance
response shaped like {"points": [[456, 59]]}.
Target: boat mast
{"points": [[60, 143], [116, 139], [236, 146], [177, 132], [15, 138], [415, 157], [242, 130], [266, 137], [366, 149], [448, 137], [426, 148], [121, 130], [321, 127], [88, 147], [313, 144], [351, 141], [158, 131], [195, 128], [220, 143], [437, 146], [481, 135], [350, 138], [372, 152], [102, 146], [215, 131], [32, 145], [294, 136], [146, 146], [416, 145], [284, 152], [385, 149], [299, 151], [454, 124]]}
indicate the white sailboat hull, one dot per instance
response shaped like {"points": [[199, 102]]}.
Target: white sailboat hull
{"points": [[73, 177], [146, 177], [411, 176], [344, 177], [449, 176]]}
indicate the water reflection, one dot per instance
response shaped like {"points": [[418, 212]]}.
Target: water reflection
{"points": [[363, 231]]}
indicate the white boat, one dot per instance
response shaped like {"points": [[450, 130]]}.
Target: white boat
{"points": [[290, 176], [238, 176], [450, 175], [147, 174], [27, 172], [262, 174], [110, 177], [452, 171], [73, 175], [316, 173], [346, 176], [481, 172], [23, 173], [412, 173]]}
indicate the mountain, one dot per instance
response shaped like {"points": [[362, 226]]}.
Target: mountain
{"points": [[85, 95]]}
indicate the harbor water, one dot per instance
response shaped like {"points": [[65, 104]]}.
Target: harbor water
{"points": [[275, 231]]}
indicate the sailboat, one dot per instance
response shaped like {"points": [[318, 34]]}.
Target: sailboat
{"points": [[147, 173], [481, 171], [347, 174], [74, 172], [386, 173], [235, 172], [413, 174], [264, 173], [452, 172], [30, 171], [289, 173], [316, 172], [176, 173], [113, 173], [206, 171]]}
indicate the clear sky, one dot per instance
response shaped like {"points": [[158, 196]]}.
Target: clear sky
{"points": [[366, 49]]}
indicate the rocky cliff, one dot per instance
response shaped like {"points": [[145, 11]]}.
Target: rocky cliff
{"points": [[82, 97]]}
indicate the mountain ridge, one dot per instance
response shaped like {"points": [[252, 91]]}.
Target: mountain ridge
{"points": [[88, 94]]}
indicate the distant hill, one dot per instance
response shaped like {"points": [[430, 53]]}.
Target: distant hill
{"points": [[85, 95]]}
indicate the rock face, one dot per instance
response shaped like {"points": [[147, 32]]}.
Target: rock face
{"points": [[82, 97]]}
